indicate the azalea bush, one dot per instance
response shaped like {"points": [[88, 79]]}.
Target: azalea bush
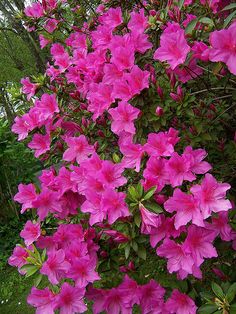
{"points": [[130, 214]]}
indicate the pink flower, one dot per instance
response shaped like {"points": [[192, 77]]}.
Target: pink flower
{"points": [[114, 302], [112, 18], [123, 118], [20, 127], [43, 300], [51, 25], [40, 143], [137, 79], [131, 291], [78, 150], [31, 232], [18, 257], [111, 175], [70, 299], [43, 41], [25, 196], [197, 165], [223, 47], [151, 297], [178, 259], [220, 225], [179, 168], [133, 154], [199, 244], [83, 272], [138, 22], [47, 201], [34, 11], [123, 58], [93, 206], [150, 221], [180, 303], [174, 47], [186, 209], [156, 171], [158, 144], [211, 196], [28, 88], [55, 267], [114, 204], [47, 106]]}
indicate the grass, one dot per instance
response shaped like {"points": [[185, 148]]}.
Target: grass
{"points": [[14, 289]]}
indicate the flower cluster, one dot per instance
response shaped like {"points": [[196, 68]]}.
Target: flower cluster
{"points": [[88, 114]]}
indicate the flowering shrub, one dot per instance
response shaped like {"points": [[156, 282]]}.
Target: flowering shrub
{"points": [[121, 183]]}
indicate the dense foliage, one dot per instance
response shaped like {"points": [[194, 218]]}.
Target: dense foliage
{"points": [[130, 214]]}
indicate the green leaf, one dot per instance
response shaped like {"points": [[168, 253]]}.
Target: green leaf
{"points": [[232, 309], [229, 18], [180, 4], [142, 253], [139, 190], [190, 27], [150, 193], [154, 207], [127, 251], [30, 269], [207, 309], [230, 295], [229, 7], [134, 246], [132, 193], [217, 290], [37, 280], [206, 20], [137, 220]]}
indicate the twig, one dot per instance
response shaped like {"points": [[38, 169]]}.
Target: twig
{"points": [[212, 88]]}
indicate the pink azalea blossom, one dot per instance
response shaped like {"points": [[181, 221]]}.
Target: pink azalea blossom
{"points": [[46, 201], [199, 244], [178, 259], [137, 79], [47, 106], [114, 302], [112, 18], [114, 204], [220, 225], [197, 165], [28, 88], [18, 257], [211, 196], [34, 11], [31, 232], [40, 143], [20, 127], [111, 174], [133, 154], [156, 171], [78, 150], [123, 118], [55, 266], [43, 300], [174, 47], [138, 21], [223, 47], [158, 144], [179, 168], [180, 303], [43, 41], [123, 58], [70, 299], [25, 196], [151, 297], [82, 271], [186, 209]]}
